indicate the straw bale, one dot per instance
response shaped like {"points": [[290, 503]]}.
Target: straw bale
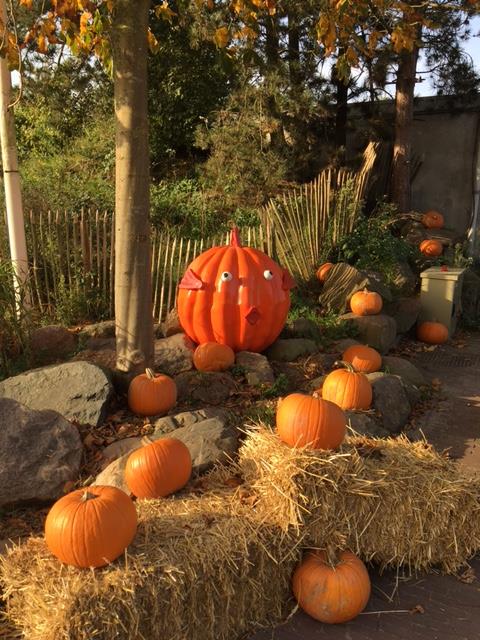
{"points": [[392, 501], [200, 568]]}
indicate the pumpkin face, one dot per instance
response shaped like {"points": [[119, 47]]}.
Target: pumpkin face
{"points": [[158, 469], [366, 303], [363, 359], [212, 356], [332, 594], [91, 527], [432, 332], [431, 248], [348, 389], [432, 220], [305, 421], [151, 395], [236, 296], [322, 271]]}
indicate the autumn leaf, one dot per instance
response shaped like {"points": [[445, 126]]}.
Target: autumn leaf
{"points": [[221, 37], [164, 11], [153, 43], [26, 3]]}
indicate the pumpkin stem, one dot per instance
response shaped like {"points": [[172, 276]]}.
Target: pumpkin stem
{"points": [[150, 373], [235, 238], [345, 365], [88, 496]]}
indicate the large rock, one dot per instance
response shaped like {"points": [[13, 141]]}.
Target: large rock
{"points": [[40, 452], [302, 328], [413, 393], [51, 344], [405, 311], [257, 369], [206, 387], [405, 369], [378, 331], [210, 441], [391, 402], [77, 390], [171, 326], [343, 281], [345, 343], [291, 349], [174, 354], [365, 424], [404, 281], [105, 329]]}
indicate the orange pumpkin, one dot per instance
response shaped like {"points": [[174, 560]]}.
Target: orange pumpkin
{"points": [[234, 295], [432, 332], [91, 527], [432, 220], [152, 395], [158, 469], [212, 356], [323, 271], [348, 389], [363, 359], [366, 303], [431, 248], [306, 421], [332, 594]]}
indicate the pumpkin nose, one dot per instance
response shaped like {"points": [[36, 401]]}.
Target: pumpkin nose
{"points": [[253, 315]]}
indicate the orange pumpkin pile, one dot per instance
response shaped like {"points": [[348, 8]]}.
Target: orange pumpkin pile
{"points": [[366, 303], [151, 394], [348, 389], [362, 358], [211, 356], [431, 248], [432, 332], [432, 220]]}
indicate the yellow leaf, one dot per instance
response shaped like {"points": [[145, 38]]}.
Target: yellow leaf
{"points": [[42, 44], [164, 11], [84, 21], [27, 3], [152, 42], [221, 37]]}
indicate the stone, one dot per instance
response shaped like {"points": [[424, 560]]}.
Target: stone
{"points": [[257, 368], [77, 390], [343, 281], [205, 387], [414, 232], [405, 311], [391, 402], [40, 451], [174, 354], [404, 281], [211, 441], [303, 328], [315, 384], [290, 349], [52, 343], [379, 331], [105, 329], [365, 424], [342, 345], [171, 326], [405, 369], [414, 394]]}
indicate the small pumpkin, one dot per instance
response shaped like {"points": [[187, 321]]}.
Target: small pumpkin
{"points": [[91, 527], [307, 421], [158, 469], [366, 303], [432, 332], [362, 358], [332, 594], [211, 356], [432, 220], [431, 248], [323, 270], [347, 388], [151, 394]]}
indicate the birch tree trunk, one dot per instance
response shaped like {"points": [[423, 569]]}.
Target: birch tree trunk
{"points": [[133, 287]]}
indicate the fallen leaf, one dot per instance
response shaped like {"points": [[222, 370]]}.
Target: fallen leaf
{"points": [[468, 576], [417, 609], [68, 486]]}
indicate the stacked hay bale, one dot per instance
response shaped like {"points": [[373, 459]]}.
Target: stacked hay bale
{"points": [[391, 501]]}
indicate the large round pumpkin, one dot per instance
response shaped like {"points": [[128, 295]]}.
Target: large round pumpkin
{"points": [[432, 220], [234, 295], [91, 527], [366, 303], [348, 389], [158, 469], [431, 248], [332, 594], [306, 421], [432, 332], [363, 359], [323, 270], [151, 394], [212, 356]]}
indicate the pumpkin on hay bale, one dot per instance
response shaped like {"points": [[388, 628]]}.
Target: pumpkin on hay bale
{"points": [[394, 502], [200, 567]]}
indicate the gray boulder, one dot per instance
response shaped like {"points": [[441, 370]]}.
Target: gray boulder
{"points": [[40, 452], [365, 424], [404, 280], [171, 326], [105, 329], [390, 400], [379, 331], [257, 368], [413, 392], [290, 349], [210, 387], [343, 281], [405, 311], [405, 369], [302, 328], [52, 343], [342, 345], [174, 354], [77, 390]]}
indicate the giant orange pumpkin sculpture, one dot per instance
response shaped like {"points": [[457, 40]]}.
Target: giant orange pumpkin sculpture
{"points": [[234, 295]]}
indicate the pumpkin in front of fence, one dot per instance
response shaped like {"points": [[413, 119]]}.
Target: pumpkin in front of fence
{"points": [[236, 296]]}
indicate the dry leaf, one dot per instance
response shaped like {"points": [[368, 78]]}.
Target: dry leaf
{"points": [[468, 576], [417, 609]]}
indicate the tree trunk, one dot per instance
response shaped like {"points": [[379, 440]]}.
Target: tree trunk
{"points": [[402, 149], [341, 111], [133, 286], [294, 51]]}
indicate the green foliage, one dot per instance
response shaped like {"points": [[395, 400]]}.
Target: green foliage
{"points": [[77, 305], [277, 389]]}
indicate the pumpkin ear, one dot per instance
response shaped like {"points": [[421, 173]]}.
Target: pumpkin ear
{"points": [[191, 281], [287, 281]]}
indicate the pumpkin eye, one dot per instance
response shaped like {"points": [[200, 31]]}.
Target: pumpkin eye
{"points": [[267, 274], [226, 276]]}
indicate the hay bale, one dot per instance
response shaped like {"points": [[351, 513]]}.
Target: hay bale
{"points": [[200, 567], [392, 501]]}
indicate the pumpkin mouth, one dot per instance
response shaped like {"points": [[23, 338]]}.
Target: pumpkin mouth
{"points": [[253, 315]]}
